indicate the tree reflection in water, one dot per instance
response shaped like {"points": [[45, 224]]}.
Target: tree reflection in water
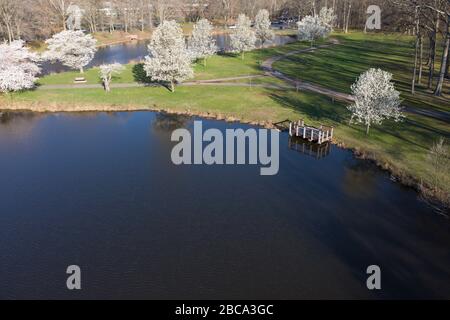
{"points": [[17, 124], [360, 178], [318, 151], [168, 123], [7, 118]]}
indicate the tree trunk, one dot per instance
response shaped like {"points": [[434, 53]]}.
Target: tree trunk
{"points": [[438, 91], [9, 31], [368, 129], [421, 60], [448, 67], [416, 53], [413, 84], [432, 59], [150, 20], [348, 16], [172, 86], [82, 70]]}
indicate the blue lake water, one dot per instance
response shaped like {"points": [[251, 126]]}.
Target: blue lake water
{"points": [[100, 191]]}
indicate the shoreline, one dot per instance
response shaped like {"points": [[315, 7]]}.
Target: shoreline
{"points": [[435, 198]]}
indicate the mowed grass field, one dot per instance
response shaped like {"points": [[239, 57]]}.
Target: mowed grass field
{"points": [[338, 67], [403, 147]]}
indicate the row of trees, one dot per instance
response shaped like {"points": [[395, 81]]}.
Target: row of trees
{"points": [[170, 59], [430, 22], [39, 19]]}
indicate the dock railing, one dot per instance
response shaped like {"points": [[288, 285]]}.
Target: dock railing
{"points": [[320, 135]]}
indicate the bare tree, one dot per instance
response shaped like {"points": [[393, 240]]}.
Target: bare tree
{"points": [[91, 13], [57, 8], [9, 10], [438, 91]]}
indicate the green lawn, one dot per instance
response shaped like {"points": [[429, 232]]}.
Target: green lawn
{"points": [[338, 67]]}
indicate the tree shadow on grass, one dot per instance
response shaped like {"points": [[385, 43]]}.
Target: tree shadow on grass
{"points": [[227, 54], [315, 108], [322, 110], [140, 76]]}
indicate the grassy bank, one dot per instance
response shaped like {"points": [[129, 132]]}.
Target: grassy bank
{"points": [[399, 147]]}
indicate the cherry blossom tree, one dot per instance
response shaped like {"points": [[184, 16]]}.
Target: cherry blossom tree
{"points": [[311, 28], [74, 49], [243, 38], [327, 18], [18, 67], [106, 73], [202, 44], [169, 60], [262, 25], [375, 99]]}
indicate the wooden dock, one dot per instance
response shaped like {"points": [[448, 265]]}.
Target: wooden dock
{"points": [[319, 135]]}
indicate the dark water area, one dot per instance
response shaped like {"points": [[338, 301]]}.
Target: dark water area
{"points": [[137, 50], [100, 191]]}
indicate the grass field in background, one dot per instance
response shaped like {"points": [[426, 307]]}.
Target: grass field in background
{"points": [[339, 66]]}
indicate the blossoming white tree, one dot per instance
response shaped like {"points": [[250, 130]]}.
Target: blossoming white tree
{"points": [[202, 44], [262, 25], [375, 99], [73, 48], [169, 60], [243, 38], [106, 73], [18, 67], [327, 19], [311, 28]]}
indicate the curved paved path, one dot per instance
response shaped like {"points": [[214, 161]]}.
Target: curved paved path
{"points": [[299, 84], [267, 66]]}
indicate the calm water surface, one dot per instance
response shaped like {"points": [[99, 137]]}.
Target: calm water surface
{"points": [[100, 191], [136, 51]]}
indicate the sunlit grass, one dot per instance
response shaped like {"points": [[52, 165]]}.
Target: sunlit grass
{"points": [[338, 67]]}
